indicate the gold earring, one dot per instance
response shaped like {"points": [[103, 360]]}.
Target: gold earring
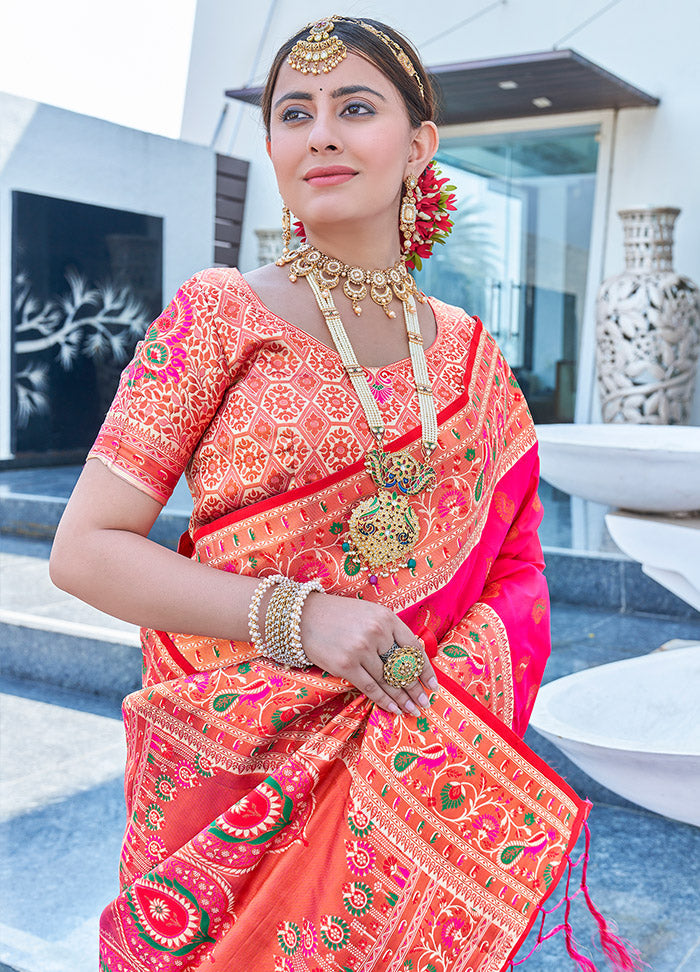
{"points": [[286, 230], [409, 213]]}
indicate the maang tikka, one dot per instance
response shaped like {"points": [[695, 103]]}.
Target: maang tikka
{"points": [[322, 50]]}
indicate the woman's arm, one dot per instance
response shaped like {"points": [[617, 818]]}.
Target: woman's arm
{"points": [[102, 555]]}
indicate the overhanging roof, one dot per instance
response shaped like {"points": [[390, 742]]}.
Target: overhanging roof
{"points": [[473, 91]]}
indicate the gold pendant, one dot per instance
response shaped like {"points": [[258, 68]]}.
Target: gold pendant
{"points": [[398, 470], [384, 529]]}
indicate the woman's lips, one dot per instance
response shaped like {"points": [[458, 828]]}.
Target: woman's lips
{"points": [[329, 177]]}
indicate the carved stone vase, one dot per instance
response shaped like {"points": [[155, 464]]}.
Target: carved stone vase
{"points": [[648, 327]]}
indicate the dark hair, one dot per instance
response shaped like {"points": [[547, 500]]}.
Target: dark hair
{"points": [[420, 107]]}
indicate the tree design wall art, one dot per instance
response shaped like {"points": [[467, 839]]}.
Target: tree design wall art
{"points": [[86, 284]]}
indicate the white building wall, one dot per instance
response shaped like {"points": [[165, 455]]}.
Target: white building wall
{"points": [[650, 45], [60, 153]]}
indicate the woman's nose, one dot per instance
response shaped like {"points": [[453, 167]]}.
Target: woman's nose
{"points": [[323, 135]]}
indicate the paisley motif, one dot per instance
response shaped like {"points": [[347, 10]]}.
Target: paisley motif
{"points": [[335, 932], [357, 898], [539, 609], [360, 856], [359, 821], [154, 816], [167, 914], [309, 938], [289, 936], [161, 356], [257, 817]]}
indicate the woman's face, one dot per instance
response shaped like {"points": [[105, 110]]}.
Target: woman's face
{"points": [[341, 144]]}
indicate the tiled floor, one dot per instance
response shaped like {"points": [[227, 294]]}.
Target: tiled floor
{"points": [[62, 758], [62, 764]]}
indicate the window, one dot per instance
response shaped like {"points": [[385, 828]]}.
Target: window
{"points": [[518, 254]]}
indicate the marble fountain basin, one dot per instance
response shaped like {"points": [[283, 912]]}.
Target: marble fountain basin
{"points": [[645, 468], [634, 726]]}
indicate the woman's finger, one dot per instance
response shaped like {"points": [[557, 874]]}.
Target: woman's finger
{"points": [[368, 685], [428, 676], [410, 697]]}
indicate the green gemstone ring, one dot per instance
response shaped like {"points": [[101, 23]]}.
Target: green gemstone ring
{"points": [[402, 665]]}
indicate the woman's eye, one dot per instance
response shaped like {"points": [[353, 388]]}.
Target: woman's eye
{"points": [[293, 114], [357, 108]]}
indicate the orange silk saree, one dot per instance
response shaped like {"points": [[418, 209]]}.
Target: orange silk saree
{"points": [[278, 820]]}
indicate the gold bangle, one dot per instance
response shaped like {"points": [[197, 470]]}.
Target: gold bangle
{"points": [[283, 622]]}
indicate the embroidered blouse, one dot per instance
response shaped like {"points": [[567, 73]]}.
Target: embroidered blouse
{"points": [[248, 405]]}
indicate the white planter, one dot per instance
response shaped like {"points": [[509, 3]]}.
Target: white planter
{"points": [[634, 726], [667, 548], [648, 327], [649, 469]]}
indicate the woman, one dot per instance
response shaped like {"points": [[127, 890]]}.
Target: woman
{"points": [[326, 771]]}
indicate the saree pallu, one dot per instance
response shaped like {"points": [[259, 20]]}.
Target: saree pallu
{"points": [[278, 819]]}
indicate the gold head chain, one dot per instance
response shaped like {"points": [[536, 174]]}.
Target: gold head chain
{"points": [[322, 50]]}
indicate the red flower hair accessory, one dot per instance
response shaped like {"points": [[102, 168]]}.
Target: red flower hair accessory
{"points": [[435, 199]]}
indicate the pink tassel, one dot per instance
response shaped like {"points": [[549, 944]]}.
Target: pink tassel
{"points": [[622, 956], [571, 943]]}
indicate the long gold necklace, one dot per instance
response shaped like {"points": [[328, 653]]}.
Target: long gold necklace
{"points": [[384, 529], [383, 285]]}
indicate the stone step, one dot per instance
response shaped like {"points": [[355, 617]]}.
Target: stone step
{"points": [[36, 518], [61, 824], [609, 581], [32, 502], [49, 636], [80, 657]]}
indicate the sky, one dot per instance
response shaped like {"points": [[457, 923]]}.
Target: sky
{"points": [[122, 60]]}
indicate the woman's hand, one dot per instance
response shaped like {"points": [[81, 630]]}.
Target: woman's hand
{"points": [[345, 636], [102, 555]]}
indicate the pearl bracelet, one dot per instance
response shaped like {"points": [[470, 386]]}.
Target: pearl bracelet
{"points": [[277, 614], [282, 641], [283, 623], [256, 637]]}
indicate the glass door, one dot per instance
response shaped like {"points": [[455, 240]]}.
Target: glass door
{"points": [[518, 255]]}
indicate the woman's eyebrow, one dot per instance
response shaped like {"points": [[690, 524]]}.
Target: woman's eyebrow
{"points": [[296, 95], [348, 89], [354, 89]]}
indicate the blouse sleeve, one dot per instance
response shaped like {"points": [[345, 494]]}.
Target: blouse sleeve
{"points": [[168, 393]]}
